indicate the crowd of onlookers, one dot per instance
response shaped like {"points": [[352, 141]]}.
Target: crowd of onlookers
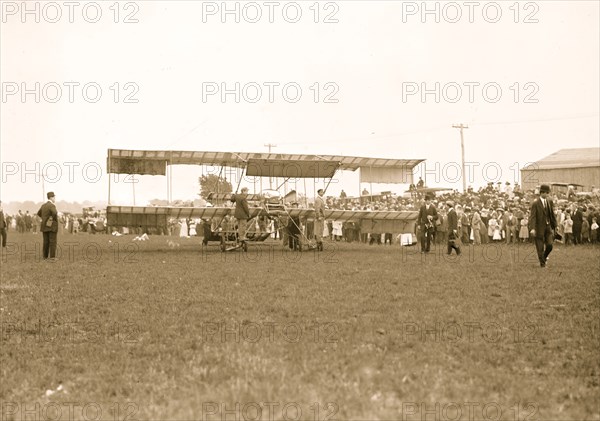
{"points": [[68, 223], [23, 222], [494, 213]]}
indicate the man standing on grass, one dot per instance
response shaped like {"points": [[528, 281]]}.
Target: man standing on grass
{"points": [[49, 227], [427, 217], [542, 224], [476, 226], [453, 237], [242, 212], [510, 222], [319, 219], [577, 224]]}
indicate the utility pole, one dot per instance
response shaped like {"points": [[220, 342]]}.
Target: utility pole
{"points": [[270, 145], [462, 148], [133, 187]]}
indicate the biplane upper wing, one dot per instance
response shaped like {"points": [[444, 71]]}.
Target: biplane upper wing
{"points": [[260, 164]]}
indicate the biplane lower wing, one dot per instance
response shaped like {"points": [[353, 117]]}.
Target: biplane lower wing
{"points": [[430, 189], [158, 216], [374, 222]]}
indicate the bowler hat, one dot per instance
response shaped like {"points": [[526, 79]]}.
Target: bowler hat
{"points": [[544, 188]]}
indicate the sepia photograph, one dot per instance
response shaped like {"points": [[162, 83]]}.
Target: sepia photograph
{"points": [[312, 210]]}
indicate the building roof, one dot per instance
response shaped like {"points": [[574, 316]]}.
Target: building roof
{"points": [[568, 158]]}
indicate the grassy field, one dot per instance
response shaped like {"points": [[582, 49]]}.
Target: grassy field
{"points": [[119, 330]]}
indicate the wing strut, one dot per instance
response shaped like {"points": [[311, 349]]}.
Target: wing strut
{"points": [[331, 178], [243, 172], [282, 184]]}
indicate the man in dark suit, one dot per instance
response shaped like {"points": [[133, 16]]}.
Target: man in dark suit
{"points": [[320, 219], [242, 212], [577, 223], [426, 221], [294, 232], [453, 238], [510, 227], [3, 226], [49, 227], [542, 223]]}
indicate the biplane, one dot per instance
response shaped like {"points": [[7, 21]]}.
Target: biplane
{"points": [[268, 204]]}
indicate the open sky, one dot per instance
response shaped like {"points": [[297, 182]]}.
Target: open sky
{"points": [[154, 80]]}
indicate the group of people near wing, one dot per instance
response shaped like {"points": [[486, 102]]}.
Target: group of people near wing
{"points": [[539, 221], [494, 213], [490, 214], [293, 224]]}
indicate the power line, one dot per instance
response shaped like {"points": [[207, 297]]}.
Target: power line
{"points": [[364, 139], [540, 120], [187, 133]]}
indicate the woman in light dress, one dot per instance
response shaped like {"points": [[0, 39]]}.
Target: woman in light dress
{"points": [[184, 228], [524, 231], [337, 230], [567, 229], [490, 227], [560, 220], [192, 230], [494, 228]]}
